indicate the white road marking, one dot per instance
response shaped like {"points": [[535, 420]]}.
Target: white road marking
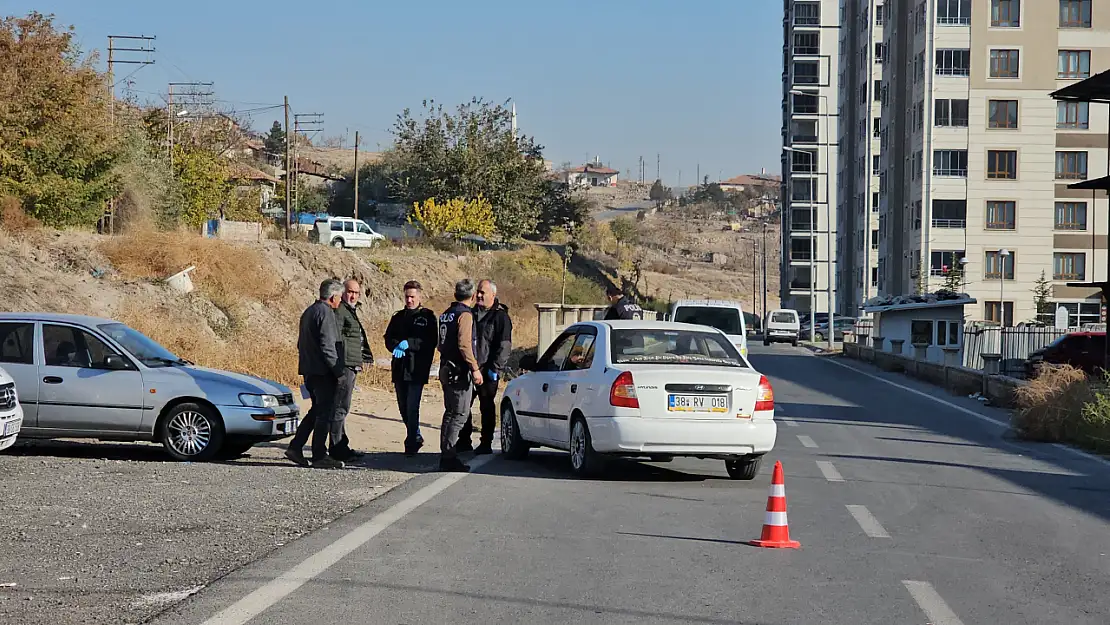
{"points": [[790, 422], [285, 584], [867, 522], [829, 471], [1002, 424], [806, 441], [165, 597], [931, 603]]}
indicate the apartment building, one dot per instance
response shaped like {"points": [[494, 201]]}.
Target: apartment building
{"points": [[977, 158], [810, 110], [862, 57]]}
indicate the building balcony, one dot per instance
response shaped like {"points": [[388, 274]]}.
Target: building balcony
{"points": [[955, 224]]}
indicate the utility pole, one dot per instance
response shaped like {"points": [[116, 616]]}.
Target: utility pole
{"points": [[192, 96], [764, 270], [755, 273], [312, 122], [288, 175], [657, 161], [144, 48], [356, 174], [697, 180]]}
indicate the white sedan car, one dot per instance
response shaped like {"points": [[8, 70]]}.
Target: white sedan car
{"points": [[641, 389]]}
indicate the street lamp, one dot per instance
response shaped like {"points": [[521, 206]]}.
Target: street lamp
{"points": [[828, 213], [812, 231]]}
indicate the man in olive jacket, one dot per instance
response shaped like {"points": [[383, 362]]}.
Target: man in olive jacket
{"points": [[356, 354], [411, 336]]}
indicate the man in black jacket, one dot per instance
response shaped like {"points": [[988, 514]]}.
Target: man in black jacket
{"points": [[622, 306], [459, 372], [411, 336], [494, 329], [356, 355], [321, 362]]}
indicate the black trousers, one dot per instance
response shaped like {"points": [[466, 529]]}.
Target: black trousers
{"points": [[487, 406], [320, 421]]}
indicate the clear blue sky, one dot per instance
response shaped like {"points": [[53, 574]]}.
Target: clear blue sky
{"points": [[697, 81]]}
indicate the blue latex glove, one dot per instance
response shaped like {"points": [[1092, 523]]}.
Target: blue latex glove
{"points": [[403, 345], [399, 351], [492, 375]]}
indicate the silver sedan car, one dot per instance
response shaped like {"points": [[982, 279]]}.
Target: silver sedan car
{"points": [[86, 377]]}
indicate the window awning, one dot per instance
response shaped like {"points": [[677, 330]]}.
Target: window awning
{"points": [[1093, 89]]}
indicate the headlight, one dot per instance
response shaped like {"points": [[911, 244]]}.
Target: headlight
{"points": [[258, 401]]}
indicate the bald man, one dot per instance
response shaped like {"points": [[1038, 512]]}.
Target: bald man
{"points": [[495, 342]]}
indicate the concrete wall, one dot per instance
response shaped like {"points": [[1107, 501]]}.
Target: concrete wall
{"points": [[953, 378], [554, 318], [239, 231]]}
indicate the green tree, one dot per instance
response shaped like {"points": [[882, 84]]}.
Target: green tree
{"points": [[202, 180], [559, 209], [57, 149], [1042, 291], [659, 193], [466, 153], [625, 230], [275, 140], [954, 278], [453, 218]]}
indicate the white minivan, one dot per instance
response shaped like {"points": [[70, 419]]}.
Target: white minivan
{"points": [[11, 413], [726, 316], [782, 326], [345, 232]]}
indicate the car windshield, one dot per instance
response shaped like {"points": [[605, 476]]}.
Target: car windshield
{"points": [[782, 317], [726, 320], [140, 346], [678, 347]]}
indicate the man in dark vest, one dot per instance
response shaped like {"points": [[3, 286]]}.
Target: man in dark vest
{"points": [[495, 343], [411, 336], [458, 372], [621, 306]]}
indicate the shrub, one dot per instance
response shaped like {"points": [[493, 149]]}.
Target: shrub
{"points": [[383, 265], [1062, 405], [13, 218]]}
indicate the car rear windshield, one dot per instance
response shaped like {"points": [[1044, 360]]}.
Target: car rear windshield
{"points": [[726, 320], [781, 317], [677, 347]]}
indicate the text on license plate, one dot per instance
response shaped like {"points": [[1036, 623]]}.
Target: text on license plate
{"points": [[697, 403], [11, 427]]}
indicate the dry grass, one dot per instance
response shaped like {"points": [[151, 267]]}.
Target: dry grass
{"points": [[1063, 405], [14, 219]]}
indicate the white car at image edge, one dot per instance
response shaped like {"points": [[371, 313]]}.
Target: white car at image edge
{"points": [[11, 413], [646, 389]]}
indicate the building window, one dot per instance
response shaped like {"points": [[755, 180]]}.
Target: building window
{"points": [[943, 261], [807, 14], [1070, 216], [950, 62], [1002, 114], [880, 52], [805, 103], [803, 161], [874, 201], [1071, 165], [874, 276], [952, 163], [803, 189], [1069, 266], [807, 43], [949, 214], [999, 312], [992, 270], [1002, 164], [921, 332], [948, 333], [952, 113], [807, 73], [1073, 115], [875, 160], [1004, 63], [801, 248], [875, 127], [1073, 64], [1001, 215], [1005, 13], [803, 131], [800, 278], [802, 219], [880, 14], [953, 12], [878, 90], [1075, 13]]}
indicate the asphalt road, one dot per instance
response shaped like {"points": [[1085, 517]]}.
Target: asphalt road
{"points": [[909, 510]]}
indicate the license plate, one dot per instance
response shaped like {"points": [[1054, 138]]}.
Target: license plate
{"points": [[287, 427], [697, 403], [11, 427]]}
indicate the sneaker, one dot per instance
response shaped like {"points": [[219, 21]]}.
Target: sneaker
{"points": [[327, 462], [483, 449], [454, 466], [410, 450], [297, 457]]}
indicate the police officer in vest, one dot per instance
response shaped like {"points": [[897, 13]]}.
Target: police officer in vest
{"points": [[622, 306], [458, 372]]}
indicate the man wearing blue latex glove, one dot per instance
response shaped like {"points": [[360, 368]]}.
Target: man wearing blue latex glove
{"points": [[495, 342], [412, 337]]}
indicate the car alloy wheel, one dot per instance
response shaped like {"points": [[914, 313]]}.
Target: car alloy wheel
{"points": [[513, 445], [578, 446], [191, 432]]}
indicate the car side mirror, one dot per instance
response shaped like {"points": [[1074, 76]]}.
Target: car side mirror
{"points": [[528, 362], [115, 362]]}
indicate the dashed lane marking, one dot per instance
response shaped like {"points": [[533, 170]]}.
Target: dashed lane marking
{"points": [[931, 603], [829, 471], [867, 522], [807, 441]]}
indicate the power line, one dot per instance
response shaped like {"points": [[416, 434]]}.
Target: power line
{"points": [[129, 54]]}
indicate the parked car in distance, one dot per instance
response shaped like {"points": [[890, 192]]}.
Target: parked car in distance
{"points": [[11, 413], [1084, 350], [645, 389], [783, 326], [843, 324], [344, 232], [87, 377], [726, 316]]}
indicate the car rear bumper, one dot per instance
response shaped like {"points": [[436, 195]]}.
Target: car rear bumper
{"points": [[682, 437], [259, 423]]}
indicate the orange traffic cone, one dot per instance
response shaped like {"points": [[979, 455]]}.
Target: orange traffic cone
{"points": [[776, 532]]}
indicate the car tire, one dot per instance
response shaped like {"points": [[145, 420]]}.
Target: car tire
{"points": [[513, 445], [766, 343], [191, 432], [794, 342], [584, 461], [337, 243], [232, 449], [743, 468]]}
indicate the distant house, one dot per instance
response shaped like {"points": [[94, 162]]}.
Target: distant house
{"points": [[591, 175], [247, 178], [766, 190]]}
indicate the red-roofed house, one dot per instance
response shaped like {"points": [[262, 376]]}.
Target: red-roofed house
{"points": [[762, 182], [591, 175]]}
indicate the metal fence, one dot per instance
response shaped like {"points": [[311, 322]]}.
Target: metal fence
{"points": [[861, 332], [1014, 344]]}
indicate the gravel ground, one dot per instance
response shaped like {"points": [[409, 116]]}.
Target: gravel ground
{"points": [[115, 533]]}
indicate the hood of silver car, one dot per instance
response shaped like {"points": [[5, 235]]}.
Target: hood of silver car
{"points": [[245, 383]]}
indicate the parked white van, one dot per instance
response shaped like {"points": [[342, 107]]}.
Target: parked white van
{"points": [[783, 326], [11, 413], [345, 232], [726, 316]]}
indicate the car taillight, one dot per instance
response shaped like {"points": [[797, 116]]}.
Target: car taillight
{"points": [[765, 400], [623, 393]]}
